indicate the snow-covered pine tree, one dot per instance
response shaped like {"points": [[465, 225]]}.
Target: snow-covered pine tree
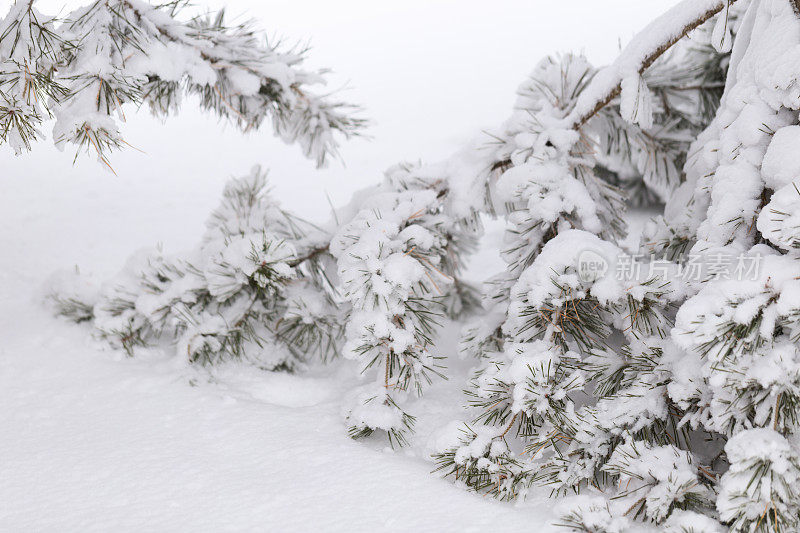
{"points": [[704, 420], [84, 68], [584, 383], [547, 191], [593, 412]]}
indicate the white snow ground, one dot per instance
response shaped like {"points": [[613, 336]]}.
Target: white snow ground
{"points": [[93, 441]]}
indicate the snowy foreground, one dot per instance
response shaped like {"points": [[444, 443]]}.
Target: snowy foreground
{"points": [[93, 441]]}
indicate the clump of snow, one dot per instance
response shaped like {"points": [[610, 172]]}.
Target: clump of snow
{"points": [[690, 522], [576, 264], [532, 373], [637, 101], [762, 480], [722, 35], [781, 164], [368, 410], [779, 220], [739, 349], [659, 477], [549, 192], [591, 513]]}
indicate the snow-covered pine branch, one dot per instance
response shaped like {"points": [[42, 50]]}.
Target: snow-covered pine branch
{"points": [[243, 293], [556, 348], [624, 75], [399, 258], [643, 135], [267, 287], [683, 91], [84, 69]]}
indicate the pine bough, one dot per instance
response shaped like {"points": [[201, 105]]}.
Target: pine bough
{"points": [[83, 68]]}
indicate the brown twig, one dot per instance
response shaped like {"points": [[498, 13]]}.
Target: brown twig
{"points": [[312, 254]]}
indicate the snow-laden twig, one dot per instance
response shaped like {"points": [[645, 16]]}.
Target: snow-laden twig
{"points": [[643, 50], [639, 55]]}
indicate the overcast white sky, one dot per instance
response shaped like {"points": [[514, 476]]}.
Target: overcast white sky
{"points": [[430, 74]]}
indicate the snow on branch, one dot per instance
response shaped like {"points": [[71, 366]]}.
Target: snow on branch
{"points": [[83, 68], [645, 48], [641, 53]]}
